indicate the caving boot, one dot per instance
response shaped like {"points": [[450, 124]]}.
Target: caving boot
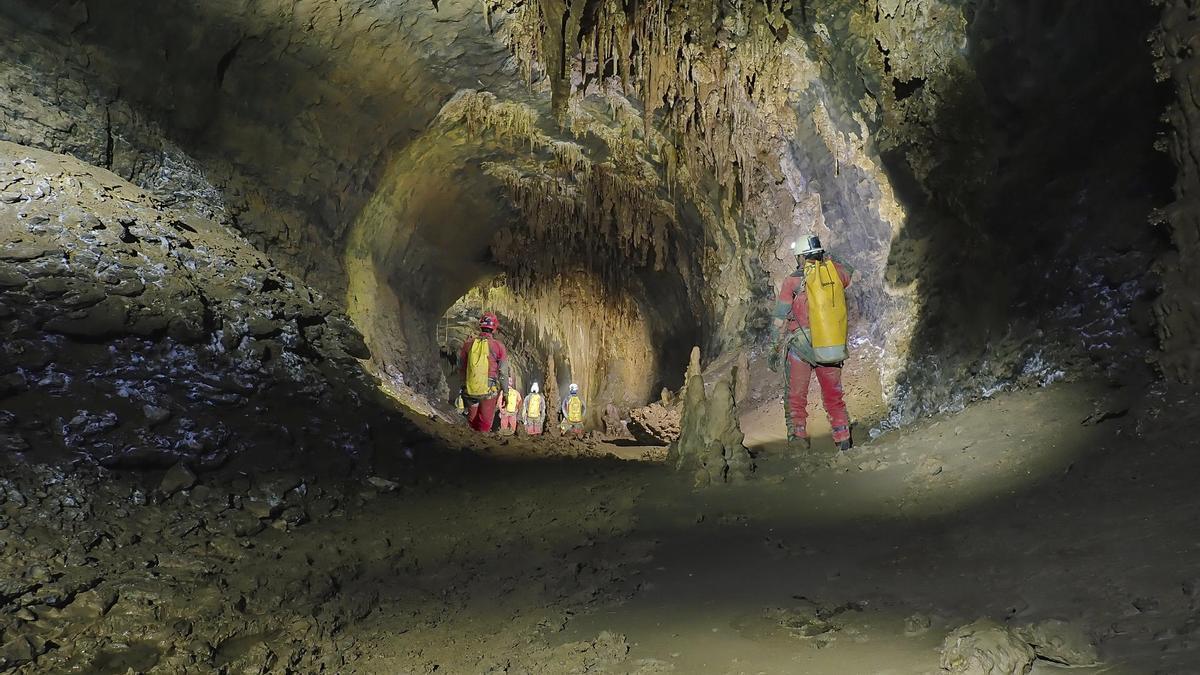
{"points": [[845, 443], [798, 440]]}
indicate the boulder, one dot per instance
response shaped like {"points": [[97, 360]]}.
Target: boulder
{"points": [[1061, 642], [261, 326], [177, 478], [654, 424], [10, 277], [27, 252], [985, 647]]}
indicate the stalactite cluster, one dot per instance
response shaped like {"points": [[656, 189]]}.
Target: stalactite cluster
{"points": [[601, 217], [707, 72], [705, 96], [481, 111], [606, 216]]}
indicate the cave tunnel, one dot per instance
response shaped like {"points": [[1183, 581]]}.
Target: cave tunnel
{"points": [[243, 246]]}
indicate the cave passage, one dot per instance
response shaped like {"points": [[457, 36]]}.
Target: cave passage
{"points": [[242, 246]]}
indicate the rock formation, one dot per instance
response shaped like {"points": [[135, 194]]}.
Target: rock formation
{"points": [[141, 335], [235, 235], [1177, 310], [710, 446], [986, 648]]}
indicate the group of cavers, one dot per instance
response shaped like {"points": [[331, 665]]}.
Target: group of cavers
{"points": [[489, 389], [809, 338]]}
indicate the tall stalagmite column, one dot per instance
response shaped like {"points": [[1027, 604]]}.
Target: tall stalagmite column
{"points": [[552, 400], [710, 443]]}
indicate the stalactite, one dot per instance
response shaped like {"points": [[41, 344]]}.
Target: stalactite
{"points": [[481, 111], [719, 88]]}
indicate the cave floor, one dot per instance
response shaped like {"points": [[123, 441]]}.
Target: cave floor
{"points": [[1049, 504], [1065, 502]]}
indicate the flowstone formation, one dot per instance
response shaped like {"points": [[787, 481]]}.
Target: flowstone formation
{"points": [[710, 443]]}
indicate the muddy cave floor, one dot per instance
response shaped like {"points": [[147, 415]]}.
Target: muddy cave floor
{"points": [[1068, 502]]}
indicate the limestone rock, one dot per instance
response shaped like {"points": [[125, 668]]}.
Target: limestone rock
{"points": [[654, 424], [986, 648], [105, 319], [1061, 642], [710, 441], [177, 478]]}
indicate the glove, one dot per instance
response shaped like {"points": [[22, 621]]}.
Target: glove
{"points": [[775, 358]]}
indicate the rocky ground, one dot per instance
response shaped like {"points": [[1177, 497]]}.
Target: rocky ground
{"points": [[1038, 527]]}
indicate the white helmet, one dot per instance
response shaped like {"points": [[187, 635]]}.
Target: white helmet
{"points": [[534, 388], [574, 388], [809, 244]]}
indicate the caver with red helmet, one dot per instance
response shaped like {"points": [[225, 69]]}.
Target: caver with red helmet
{"points": [[484, 366], [489, 322]]}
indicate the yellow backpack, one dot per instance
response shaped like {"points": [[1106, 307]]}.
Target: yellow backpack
{"points": [[574, 409], [479, 368], [534, 408], [512, 405], [826, 311]]}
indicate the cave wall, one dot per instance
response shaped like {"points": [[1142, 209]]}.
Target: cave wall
{"points": [[138, 334], [1178, 308], [399, 155], [1023, 240], [291, 109]]}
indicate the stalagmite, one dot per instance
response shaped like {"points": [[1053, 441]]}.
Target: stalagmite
{"points": [[710, 444], [552, 398]]}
